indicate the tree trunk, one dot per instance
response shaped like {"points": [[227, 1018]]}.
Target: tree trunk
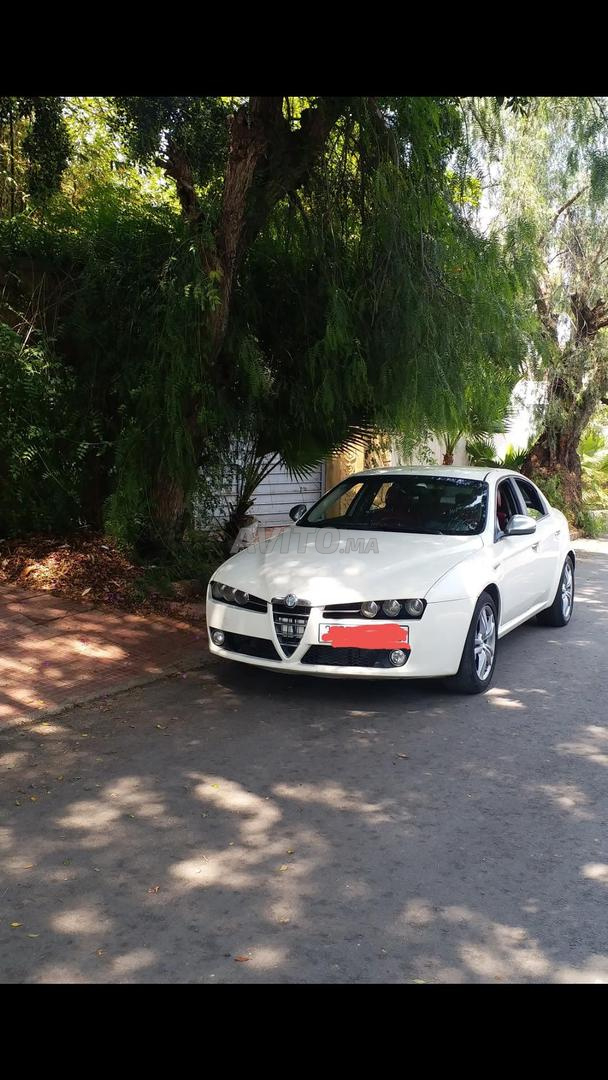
{"points": [[555, 455], [448, 458], [266, 161], [579, 380]]}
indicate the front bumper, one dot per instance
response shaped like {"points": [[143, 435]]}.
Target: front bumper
{"points": [[436, 643]]}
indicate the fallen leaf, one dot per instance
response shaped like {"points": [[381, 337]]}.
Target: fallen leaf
{"points": [[284, 920], [17, 803], [290, 851], [242, 959], [33, 935], [30, 866], [33, 798], [16, 924], [99, 952], [154, 889], [283, 868], [420, 981], [402, 755], [87, 590]]}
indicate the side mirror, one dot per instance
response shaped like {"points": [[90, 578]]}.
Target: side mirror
{"points": [[520, 525], [296, 512]]}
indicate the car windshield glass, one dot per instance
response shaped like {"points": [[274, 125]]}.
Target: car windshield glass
{"points": [[410, 503]]}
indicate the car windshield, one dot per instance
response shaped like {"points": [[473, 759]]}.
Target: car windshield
{"points": [[410, 503]]}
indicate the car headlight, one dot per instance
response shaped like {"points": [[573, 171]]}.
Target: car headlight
{"points": [[217, 590], [391, 608], [414, 607], [222, 592], [241, 597], [370, 608]]}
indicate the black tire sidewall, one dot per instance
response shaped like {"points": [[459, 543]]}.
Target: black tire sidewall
{"points": [[467, 680]]}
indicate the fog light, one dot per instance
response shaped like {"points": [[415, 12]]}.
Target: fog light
{"points": [[217, 637], [397, 657]]}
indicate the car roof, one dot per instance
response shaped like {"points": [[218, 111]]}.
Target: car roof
{"points": [[474, 472]]}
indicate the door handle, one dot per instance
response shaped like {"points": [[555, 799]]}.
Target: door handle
{"points": [[535, 546]]}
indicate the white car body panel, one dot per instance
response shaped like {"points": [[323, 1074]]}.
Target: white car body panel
{"points": [[449, 572]]}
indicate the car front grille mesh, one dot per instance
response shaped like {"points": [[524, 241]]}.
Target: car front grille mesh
{"points": [[250, 646], [289, 624], [348, 657]]}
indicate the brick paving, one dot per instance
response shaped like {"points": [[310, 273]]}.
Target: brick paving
{"points": [[55, 652]]}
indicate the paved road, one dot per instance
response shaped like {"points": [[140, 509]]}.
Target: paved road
{"points": [[228, 826]]}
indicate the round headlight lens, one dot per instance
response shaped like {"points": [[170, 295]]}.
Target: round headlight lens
{"points": [[228, 594], [217, 590], [369, 609], [241, 597], [414, 607], [391, 608]]}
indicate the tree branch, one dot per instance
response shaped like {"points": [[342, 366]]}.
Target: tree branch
{"points": [[561, 210]]}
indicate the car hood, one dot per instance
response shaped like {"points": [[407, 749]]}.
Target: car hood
{"points": [[394, 564]]}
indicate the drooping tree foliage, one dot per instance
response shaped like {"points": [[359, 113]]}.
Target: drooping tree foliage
{"points": [[339, 274], [552, 172], [289, 269], [34, 149]]}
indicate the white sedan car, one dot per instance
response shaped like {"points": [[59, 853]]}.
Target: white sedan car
{"points": [[398, 573]]}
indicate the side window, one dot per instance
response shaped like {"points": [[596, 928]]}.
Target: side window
{"points": [[505, 505], [341, 507], [534, 507]]}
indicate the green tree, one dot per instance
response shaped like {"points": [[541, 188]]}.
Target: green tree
{"points": [[332, 258], [553, 181], [34, 149]]}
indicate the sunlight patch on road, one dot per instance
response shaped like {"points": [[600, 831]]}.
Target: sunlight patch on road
{"points": [[503, 699], [87, 919], [596, 872]]}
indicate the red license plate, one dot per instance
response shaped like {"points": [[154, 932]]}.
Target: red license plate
{"points": [[383, 636]]}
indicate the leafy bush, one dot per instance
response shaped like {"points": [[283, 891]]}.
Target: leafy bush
{"points": [[592, 525], [39, 461]]}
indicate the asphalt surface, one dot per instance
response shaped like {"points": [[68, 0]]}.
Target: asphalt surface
{"points": [[235, 826]]}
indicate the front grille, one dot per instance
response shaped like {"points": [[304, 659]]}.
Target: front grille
{"points": [[250, 646], [289, 624], [325, 654]]}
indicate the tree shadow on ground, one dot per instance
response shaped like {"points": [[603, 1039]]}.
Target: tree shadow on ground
{"points": [[236, 826]]}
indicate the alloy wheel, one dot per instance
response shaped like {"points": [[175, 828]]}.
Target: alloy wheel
{"points": [[485, 642], [567, 591]]}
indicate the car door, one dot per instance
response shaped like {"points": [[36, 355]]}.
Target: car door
{"points": [[547, 536], [514, 559]]}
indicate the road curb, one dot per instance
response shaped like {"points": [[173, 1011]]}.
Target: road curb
{"points": [[113, 691]]}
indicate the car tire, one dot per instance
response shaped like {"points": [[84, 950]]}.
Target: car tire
{"points": [[481, 644], [560, 612]]}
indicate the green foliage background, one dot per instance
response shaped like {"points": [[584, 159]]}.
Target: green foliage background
{"points": [[367, 298]]}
